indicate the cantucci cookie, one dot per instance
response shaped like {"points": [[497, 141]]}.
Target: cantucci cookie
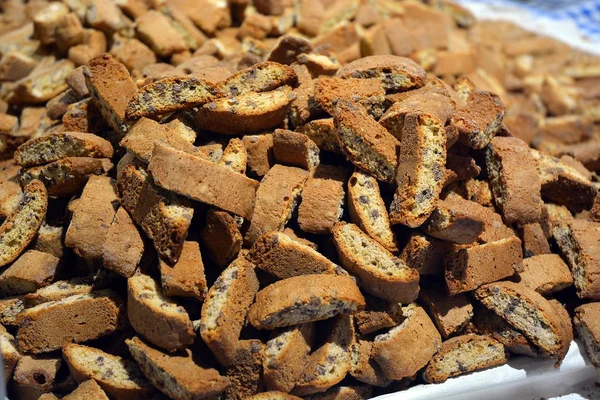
{"points": [[378, 314], [156, 317], [454, 220], [363, 392], [529, 312], [367, 144], [225, 308], [117, 376], [87, 390], [323, 133], [295, 149], [186, 277], [19, 229], [260, 153], [10, 190], [31, 271], [123, 247], [286, 355], [246, 113], [273, 395], [378, 271], [170, 94], [514, 180], [74, 319], [534, 239], [176, 375], [10, 310], [405, 349], [283, 257], [480, 120], [425, 254], [67, 176], [245, 370], [34, 376], [221, 237], [545, 273], [396, 73], [10, 353], [59, 290], [368, 211], [449, 313], [421, 173], [262, 77], [464, 354], [235, 156], [363, 366], [586, 323], [276, 199], [368, 92], [54, 146], [163, 216], [307, 298]]}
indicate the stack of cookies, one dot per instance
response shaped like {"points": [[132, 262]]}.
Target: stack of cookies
{"points": [[277, 199]]}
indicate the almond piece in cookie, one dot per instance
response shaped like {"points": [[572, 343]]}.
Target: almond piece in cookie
{"points": [[123, 248], [395, 73], [406, 348], [186, 277], [545, 273], [276, 199], [19, 229], [368, 92], [221, 237], [67, 176], [176, 375], [295, 149], [74, 319], [245, 113], [31, 271], [111, 88], [469, 268], [306, 298], [464, 354], [225, 308], [118, 377], [367, 209], [367, 144], [54, 146], [156, 317], [586, 320], [378, 271], [514, 180], [421, 172], [283, 257], [322, 203], [528, 312], [262, 77], [480, 120], [171, 94], [286, 355]]}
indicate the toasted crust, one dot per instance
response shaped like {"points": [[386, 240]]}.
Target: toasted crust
{"points": [[186, 277], [449, 313], [587, 324], [295, 149], [364, 368], [54, 146], [221, 237], [545, 273], [123, 248], [480, 120], [454, 220], [262, 77], [323, 133], [368, 92]]}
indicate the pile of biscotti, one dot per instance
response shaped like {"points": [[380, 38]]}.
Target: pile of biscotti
{"points": [[282, 199]]}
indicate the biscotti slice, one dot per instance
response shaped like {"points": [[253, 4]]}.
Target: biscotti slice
{"points": [[245, 371], [67, 176], [43, 83], [35, 376], [396, 73], [59, 290], [74, 319], [534, 239], [515, 183], [19, 229], [295, 149], [10, 354], [260, 153], [479, 120], [587, 324], [221, 237], [142, 137], [176, 375], [527, 311], [323, 133], [562, 184], [367, 144], [578, 241], [405, 349], [111, 88], [545, 273], [202, 180], [93, 214], [262, 77], [235, 156], [248, 112], [186, 277], [276, 199], [10, 190], [357, 392], [31, 271], [379, 314], [10, 310], [225, 308], [455, 220], [464, 354], [303, 299], [123, 247], [425, 254], [163, 216], [286, 357], [170, 94], [363, 366], [87, 390], [378, 271], [368, 92], [156, 317], [284, 257], [421, 172], [469, 268], [54, 146], [118, 377], [273, 395], [449, 313]]}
